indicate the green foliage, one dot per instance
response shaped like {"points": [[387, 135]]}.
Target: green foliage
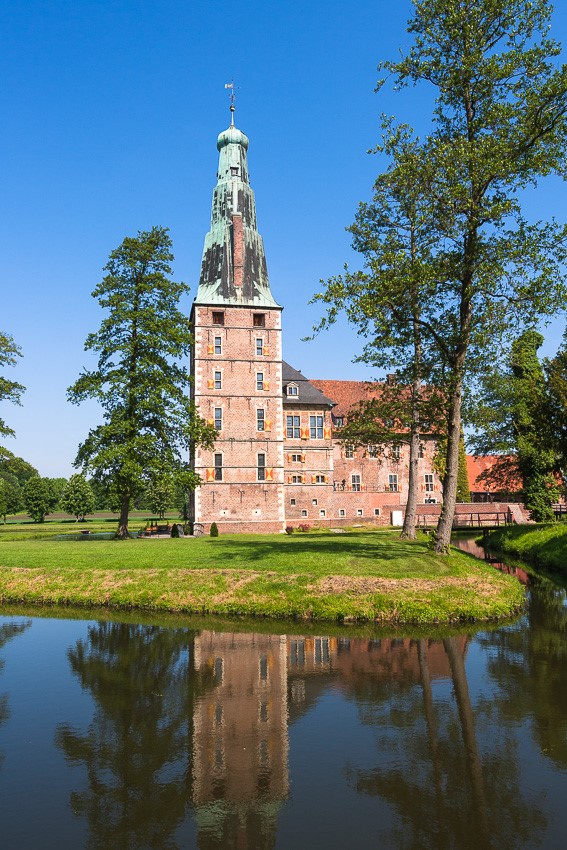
{"points": [[214, 530], [9, 390], [57, 487], [16, 466], [556, 373], [160, 494], [11, 496], [512, 415], [77, 497], [499, 124], [140, 382], [38, 498], [463, 487]]}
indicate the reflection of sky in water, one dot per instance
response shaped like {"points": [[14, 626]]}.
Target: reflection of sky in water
{"points": [[352, 741]]}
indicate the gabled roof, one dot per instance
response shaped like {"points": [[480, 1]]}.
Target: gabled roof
{"points": [[307, 392]]}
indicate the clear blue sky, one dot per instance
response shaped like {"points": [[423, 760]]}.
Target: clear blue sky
{"points": [[110, 112]]}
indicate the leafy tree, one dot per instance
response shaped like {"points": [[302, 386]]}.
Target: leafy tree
{"points": [[9, 390], [440, 459], [512, 415], [78, 498], [556, 373], [56, 487], [463, 486], [139, 382], [11, 499], [385, 301], [499, 124], [17, 466], [38, 498], [160, 494]]}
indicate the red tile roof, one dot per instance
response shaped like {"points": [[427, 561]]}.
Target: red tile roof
{"points": [[505, 480], [346, 394]]}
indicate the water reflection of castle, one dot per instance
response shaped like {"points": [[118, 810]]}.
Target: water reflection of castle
{"points": [[260, 684]]}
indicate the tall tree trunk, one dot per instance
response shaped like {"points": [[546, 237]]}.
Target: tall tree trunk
{"points": [[445, 524], [408, 529], [123, 532]]}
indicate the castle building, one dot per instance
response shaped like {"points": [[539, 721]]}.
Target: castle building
{"points": [[277, 460]]}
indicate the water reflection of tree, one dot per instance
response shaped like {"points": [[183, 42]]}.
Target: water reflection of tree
{"points": [[8, 631], [447, 791], [137, 748], [529, 663]]}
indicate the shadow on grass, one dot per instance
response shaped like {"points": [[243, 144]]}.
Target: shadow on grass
{"points": [[346, 545]]}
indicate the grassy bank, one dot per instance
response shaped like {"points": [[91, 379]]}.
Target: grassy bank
{"points": [[543, 546], [360, 575]]}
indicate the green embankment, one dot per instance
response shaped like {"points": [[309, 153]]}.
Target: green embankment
{"points": [[542, 546], [361, 575]]}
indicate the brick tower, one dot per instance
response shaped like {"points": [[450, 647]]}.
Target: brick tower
{"points": [[237, 360]]}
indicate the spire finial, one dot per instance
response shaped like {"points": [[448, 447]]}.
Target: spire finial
{"points": [[232, 88]]}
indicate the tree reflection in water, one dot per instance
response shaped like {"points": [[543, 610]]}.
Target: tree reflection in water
{"points": [[528, 663], [446, 789], [8, 631], [137, 749], [193, 727]]}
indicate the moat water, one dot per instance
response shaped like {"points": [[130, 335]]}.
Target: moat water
{"points": [[123, 734]]}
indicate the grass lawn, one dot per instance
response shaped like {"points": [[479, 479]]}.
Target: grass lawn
{"points": [[542, 546], [359, 575]]}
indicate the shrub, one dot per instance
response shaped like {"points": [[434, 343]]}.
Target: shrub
{"points": [[303, 527], [289, 529], [214, 532]]}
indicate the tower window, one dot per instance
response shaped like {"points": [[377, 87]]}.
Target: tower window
{"points": [[218, 345], [259, 320], [234, 170], [259, 380], [218, 467], [259, 347], [218, 418], [260, 419], [218, 381], [218, 317], [261, 467]]}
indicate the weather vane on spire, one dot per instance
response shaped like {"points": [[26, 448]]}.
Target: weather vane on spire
{"points": [[233, 89]]}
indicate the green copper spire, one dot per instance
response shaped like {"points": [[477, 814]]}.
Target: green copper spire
{"points": [[233, 269]]}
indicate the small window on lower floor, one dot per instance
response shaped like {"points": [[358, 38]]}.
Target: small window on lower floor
{"points": [[303, 513], [359, 512], [314, 502], [322, 512], [292, 502], [342, 512], [376, 511]]}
